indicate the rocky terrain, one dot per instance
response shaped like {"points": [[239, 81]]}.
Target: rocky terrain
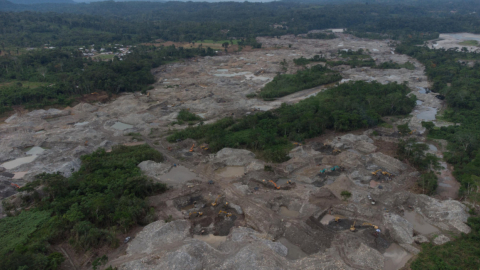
{"points": [[254, 215]]}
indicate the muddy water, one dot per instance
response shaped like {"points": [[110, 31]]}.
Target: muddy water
{"points": [[19, 161], [326, 219], [288, 213], [121, 126], [294, 252], [35, 151], [419, 223], [178, 175], [448, 186], [211, 239], [19, 175], [188, 207], [428, 115], [231, 171], [395, 257]]}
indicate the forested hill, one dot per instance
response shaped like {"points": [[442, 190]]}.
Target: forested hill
{"points": [[136, 22]]}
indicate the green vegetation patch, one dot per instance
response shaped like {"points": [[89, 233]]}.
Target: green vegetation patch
{"points": [[321, 36], [16, 231], [302, 61], [187, 116], [285, 84], [104, 198], [461, 253], [346, 107], [469, 43]]}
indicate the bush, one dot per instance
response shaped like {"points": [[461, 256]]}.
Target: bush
{"points": [[428, 182], [345, 195], [187, 116]]}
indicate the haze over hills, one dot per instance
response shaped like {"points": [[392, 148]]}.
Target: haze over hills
{"points": [[294, 134]]}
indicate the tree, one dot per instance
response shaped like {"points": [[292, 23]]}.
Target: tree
{"points": [[225, 45], [284, 65], [42, 70]]}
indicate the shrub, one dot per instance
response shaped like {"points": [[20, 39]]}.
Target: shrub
{"points": [[345, 195]]}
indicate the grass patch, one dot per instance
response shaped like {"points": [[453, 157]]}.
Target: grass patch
{"points": [[469, 43], [285, 84], [105, 56], [136, 136], [210, 41], [385, 125]]}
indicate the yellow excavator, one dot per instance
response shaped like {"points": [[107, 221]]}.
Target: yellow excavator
{"points": [[352, 228], [336, 151], [215, 202], [375, 172], [224, 212], [337, 218], [387, 173], [199, 213], [370, 224]]}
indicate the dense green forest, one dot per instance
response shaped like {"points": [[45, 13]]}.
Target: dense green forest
{"points": [[285, 84], [104, 198], [346, 107], [135, 22], [63, 74]]}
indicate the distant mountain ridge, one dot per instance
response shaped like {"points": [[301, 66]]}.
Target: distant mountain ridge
{"points": [[33, 2]]}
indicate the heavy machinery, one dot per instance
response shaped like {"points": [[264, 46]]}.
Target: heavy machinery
{"points": [[191, 148], [334, 168], [297, 144], [224, 212], [199, 213], [352, 228], [411, 132], [387, 174], [336, 151], [370, 224], [337, 219], [215, 202], [15, 185], [203, 147], [377, 171], [275, 184]]}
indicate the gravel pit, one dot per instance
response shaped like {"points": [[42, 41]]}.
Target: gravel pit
{"points": [[213, 240], [284, 211], [395, 257], [419, 223], [231, 171], [294, 252]]}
